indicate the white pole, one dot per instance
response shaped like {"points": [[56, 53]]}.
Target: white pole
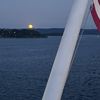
{"points": [[61, 66]]}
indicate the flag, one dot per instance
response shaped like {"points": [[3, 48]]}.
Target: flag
{"points": [[95, 11]]}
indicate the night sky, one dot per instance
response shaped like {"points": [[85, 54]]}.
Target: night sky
{"points": [[40, 13]]}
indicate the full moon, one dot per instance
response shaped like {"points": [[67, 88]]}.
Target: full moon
{"points": [[30, 26]]}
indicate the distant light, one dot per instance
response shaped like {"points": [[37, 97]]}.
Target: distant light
{"points": [[30, 26]]}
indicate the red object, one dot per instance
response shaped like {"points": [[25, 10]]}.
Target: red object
{"points": [[95, 15], [99, 1]]}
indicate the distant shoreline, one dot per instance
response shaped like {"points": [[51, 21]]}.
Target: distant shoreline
{"points": [[20, 33], [59, 31], [40, 33]]}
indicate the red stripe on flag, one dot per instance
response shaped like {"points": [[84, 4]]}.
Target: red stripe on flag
{"points": [[99, 2], [95, 17]]}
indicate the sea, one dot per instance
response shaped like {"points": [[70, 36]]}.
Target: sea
{"points": [[25, 65]]}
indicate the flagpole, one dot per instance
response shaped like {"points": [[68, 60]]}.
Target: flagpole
{"points": [[61, 66]]}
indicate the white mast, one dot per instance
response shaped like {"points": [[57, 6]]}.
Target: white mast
{"points": [[61, 66]]}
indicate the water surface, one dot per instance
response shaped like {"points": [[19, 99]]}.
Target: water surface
{"points": [[25, 65]]}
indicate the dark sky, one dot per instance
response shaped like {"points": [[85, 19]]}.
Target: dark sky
{"points": [[40, 13]]}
